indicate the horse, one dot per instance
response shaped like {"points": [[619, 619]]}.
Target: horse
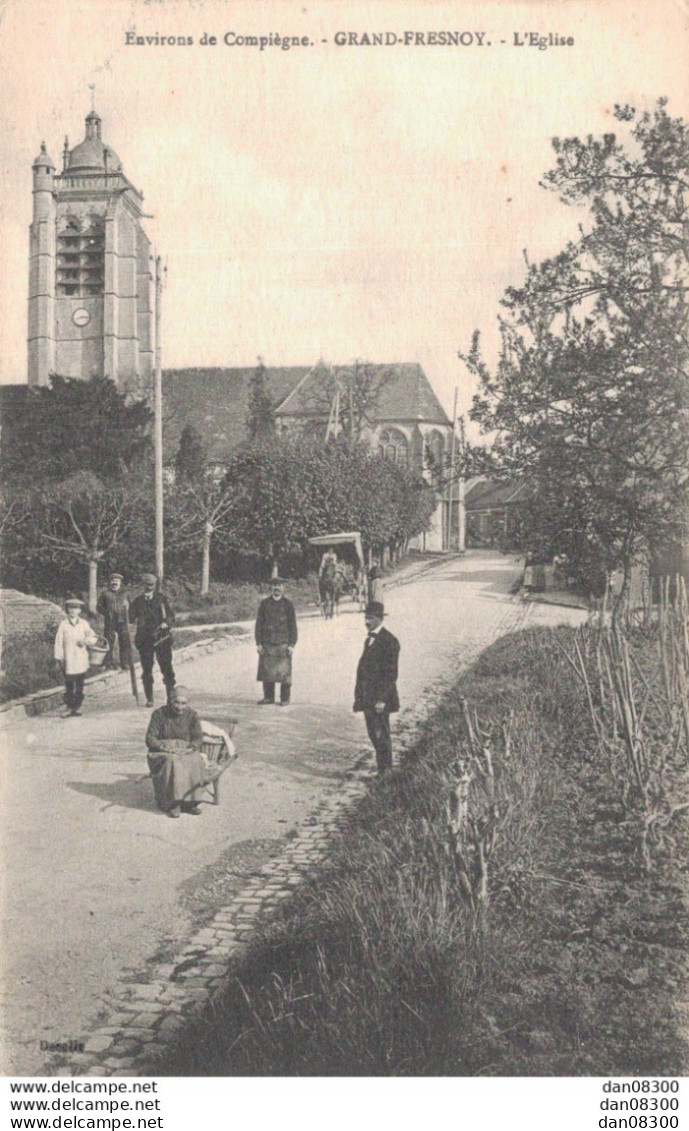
{"points": [[330, 589]]}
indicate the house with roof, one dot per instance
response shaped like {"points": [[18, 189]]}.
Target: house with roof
{"points": [[492, 509], [405, 422]]}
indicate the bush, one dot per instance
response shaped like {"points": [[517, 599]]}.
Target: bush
{"points": [[28, 662]]}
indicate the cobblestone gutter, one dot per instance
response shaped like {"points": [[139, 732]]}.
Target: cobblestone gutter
{"points": [[145, 1019]]}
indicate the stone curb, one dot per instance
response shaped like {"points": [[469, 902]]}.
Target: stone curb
{"points": [[40, 702]]}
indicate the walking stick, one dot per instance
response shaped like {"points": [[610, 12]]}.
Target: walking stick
{"points": [[132, 673]]}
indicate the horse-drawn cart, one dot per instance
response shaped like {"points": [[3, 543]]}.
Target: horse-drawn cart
{"points": [[341, 572]]}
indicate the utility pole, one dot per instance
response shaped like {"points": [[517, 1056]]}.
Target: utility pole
{"points": [[333, 425], [351, 401], [461, 485], [452, 474], [160, 275]]}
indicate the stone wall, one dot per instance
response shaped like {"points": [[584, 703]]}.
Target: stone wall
{"points": [[20, 612]]}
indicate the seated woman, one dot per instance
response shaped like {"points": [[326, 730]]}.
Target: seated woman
{"points": [[178, 768]]}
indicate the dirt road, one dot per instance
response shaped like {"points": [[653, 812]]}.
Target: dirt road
{"points": [[97, 882]]}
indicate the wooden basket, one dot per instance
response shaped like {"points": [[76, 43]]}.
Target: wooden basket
{"points": [[98, 651]]}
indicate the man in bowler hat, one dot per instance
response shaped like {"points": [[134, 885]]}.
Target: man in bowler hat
{"points": [[376, 684]]}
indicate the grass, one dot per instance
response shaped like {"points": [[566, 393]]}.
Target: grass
{"points": [[377, 967], [234, 601]]}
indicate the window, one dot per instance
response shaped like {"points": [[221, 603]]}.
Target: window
{"points": [[393, 446]]}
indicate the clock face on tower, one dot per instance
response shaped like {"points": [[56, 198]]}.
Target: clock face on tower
{"points": [[81, 317]]}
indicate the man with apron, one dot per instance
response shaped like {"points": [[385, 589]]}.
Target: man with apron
{"points": [[276, 636]]}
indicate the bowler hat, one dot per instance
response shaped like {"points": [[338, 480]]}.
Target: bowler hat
{"points": [[278, 580], [374, 609]]}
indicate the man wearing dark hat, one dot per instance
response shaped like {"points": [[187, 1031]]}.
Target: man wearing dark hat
{"points": [[154, 617], [113, 607], [73, 636], [276, 636], [376, 684]]}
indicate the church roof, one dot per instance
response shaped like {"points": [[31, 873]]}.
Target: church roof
{"points": [[216, 401], [405, 393], [89, 154]]}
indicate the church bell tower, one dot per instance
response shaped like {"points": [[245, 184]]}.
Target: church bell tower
{"points": [[90, 288]]}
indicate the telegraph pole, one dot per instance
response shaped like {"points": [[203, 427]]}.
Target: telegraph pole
{"points": [[452, 475], [461, 483], [160, 273]]}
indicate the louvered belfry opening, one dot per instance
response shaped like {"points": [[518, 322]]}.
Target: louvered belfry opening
{"points": [[81, 257]]}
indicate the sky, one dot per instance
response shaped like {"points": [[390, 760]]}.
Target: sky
{"points": [[342, 202]]}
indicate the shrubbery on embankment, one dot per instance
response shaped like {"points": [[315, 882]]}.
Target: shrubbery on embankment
{"points": [[379, 967]]}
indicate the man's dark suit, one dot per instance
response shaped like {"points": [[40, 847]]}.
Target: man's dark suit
{"points": [[149, 613], [376, 682]]}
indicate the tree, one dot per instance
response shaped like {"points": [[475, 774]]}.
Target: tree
{"points": [[190, 461], [275, 499], [358, 388], [74, 463], [416, 502], [74, 425], [261, 416], [81, 517], [589, 399], [199, 512]]}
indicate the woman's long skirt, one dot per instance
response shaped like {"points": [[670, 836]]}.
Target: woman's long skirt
{"points": [[177, 778]]}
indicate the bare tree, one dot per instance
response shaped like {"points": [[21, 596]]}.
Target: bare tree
{"points": [[80, 518], [200, 511], [356, 391]]}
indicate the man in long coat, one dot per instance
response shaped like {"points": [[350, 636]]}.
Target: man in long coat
{"points": [[276, 636], [113, 607], [376, 684], [154, 618], [174, 739]]}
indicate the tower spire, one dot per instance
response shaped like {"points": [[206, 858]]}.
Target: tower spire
{"points": [[92, 88]]}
